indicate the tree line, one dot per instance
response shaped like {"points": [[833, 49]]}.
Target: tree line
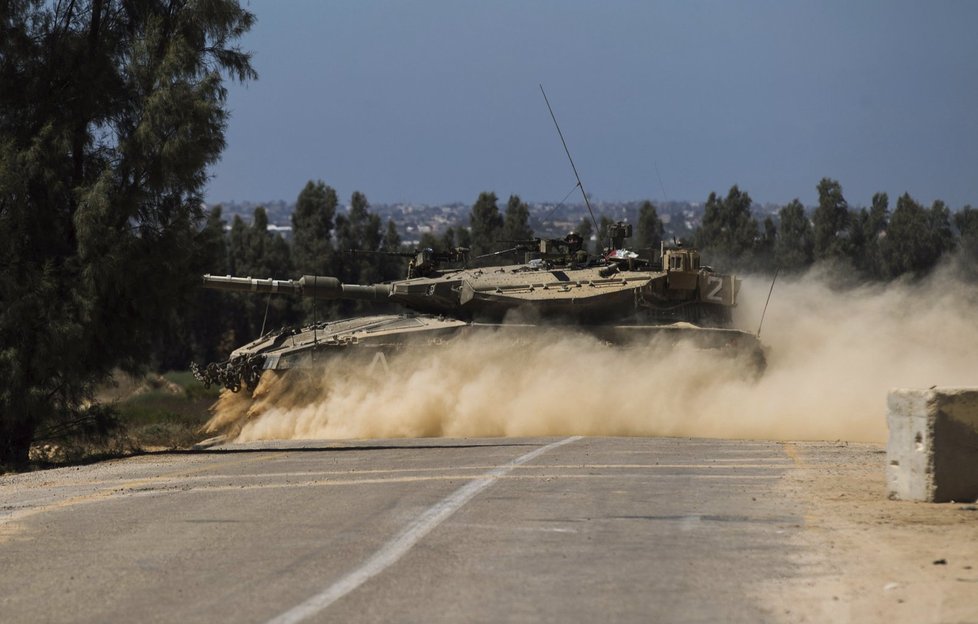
{"points": [[111, 112], [871, 243], [859, 244]]}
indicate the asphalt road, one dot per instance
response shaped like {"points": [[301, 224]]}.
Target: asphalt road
{"points": [[488, 530]]}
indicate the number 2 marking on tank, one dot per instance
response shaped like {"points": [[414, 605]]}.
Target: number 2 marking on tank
{"points": [[714, 294]]}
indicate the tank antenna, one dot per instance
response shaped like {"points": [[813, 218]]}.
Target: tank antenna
{"points": [[776, 271], [661, 185], [265, 320], [579, 183]]}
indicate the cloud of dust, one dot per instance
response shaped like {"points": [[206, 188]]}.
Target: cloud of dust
{"points": [[832, 357]]}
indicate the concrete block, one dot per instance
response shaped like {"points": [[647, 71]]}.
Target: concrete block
{"points": [[932, 453]]}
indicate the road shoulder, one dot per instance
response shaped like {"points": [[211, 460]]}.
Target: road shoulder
{"points": [[867, 558]]}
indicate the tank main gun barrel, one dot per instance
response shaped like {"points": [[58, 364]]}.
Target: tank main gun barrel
{"points": [[315, 286], [381, 252]]}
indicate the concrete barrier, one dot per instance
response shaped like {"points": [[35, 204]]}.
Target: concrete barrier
{"points": [[932, 453]]}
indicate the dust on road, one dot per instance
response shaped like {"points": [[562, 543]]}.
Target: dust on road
{"points": [[832, 356]]}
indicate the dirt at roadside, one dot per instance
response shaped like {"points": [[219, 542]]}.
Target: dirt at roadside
{"points": [[865, 558]]}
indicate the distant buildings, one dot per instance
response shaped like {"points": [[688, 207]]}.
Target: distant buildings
{"points": [[680, 218]]}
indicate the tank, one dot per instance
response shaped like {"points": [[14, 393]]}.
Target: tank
{"points": [[619, 297]]}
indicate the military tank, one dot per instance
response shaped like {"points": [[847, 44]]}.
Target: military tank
{"points": [[619, 296]]}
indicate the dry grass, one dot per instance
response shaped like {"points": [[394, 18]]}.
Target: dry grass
{"points": [[154, 413]]}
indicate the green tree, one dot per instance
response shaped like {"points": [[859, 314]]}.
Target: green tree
{"points": [[942, 235], [916, 237], [237, 247], [650, 227], [359, 229], [391, 240], [486, 224], [862, 241], [966, 222], [213, 244], [516, 227], [110, 113], [446, 241], [429, 240], [728, 233], [794, 249], [855, 240], [256, 252], [207, 320], [830, 221], [764, 258], [463, 237], [312, 228], [516, 222], [198, 331], [874, 228], [452, 237], [391, 267]]}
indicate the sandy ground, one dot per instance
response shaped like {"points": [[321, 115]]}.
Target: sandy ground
{"points": [[870, 559]]}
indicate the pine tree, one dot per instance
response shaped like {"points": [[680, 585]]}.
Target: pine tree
{"points": [[728, 233], [197, 332], [312, 228], [794, 249], [110, 113], [874, 228], [486, 224], [256, 252], [830, 221], [391, 267], [358, 230], [966, 222], [916, 237], [764, 259], [650, 227], [516, 223]]}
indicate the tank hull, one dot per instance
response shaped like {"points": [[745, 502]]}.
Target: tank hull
{"points": [[376, 337]]}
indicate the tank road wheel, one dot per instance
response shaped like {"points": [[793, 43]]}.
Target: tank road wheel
{"points": [[244, 369]]}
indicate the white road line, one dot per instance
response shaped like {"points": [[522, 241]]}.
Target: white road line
{"points": [[406, 539]]}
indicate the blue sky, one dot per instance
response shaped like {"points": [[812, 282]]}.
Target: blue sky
{"points": [[434, 102]]}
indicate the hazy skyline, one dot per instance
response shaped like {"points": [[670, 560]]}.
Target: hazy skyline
{"points": [[436, 101]]}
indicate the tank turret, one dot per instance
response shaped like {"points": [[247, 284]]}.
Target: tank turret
{"points": [[554, 285]]}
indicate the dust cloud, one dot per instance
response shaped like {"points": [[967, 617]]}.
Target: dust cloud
{"points": [[832, 356]]}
